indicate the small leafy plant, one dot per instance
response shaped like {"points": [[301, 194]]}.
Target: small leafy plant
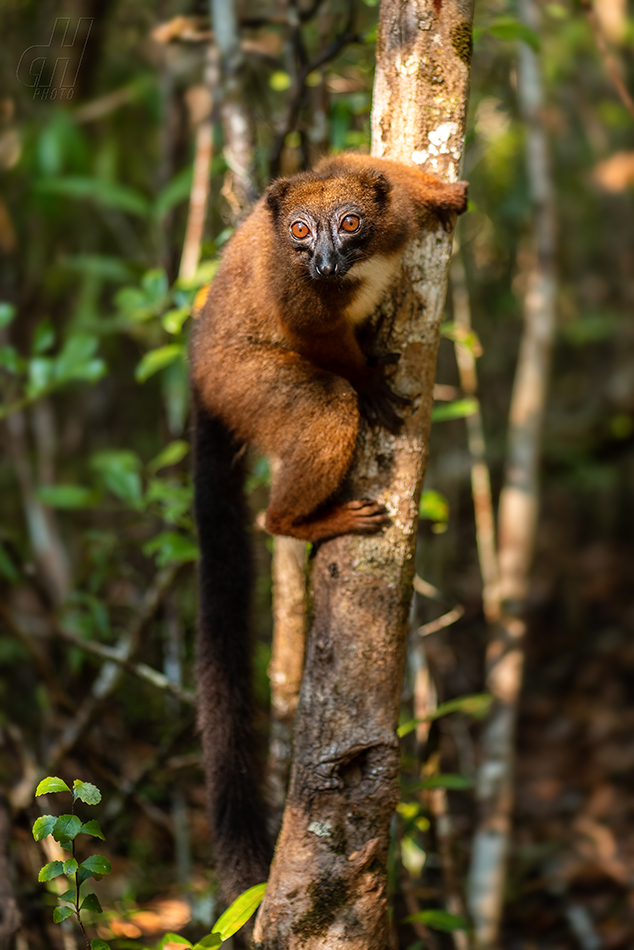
{"points": [[65, 830]]}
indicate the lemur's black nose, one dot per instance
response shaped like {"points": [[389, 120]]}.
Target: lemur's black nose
{"points": [[326, 269]]}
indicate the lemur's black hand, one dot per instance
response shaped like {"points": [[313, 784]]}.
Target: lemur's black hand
{"points": [[377, 404]]}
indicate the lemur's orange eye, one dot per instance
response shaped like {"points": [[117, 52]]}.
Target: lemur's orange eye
{"points": [[350, 223], [300, 230]]}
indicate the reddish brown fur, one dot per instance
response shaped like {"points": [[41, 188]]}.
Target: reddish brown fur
{"points": [[275, 357]]}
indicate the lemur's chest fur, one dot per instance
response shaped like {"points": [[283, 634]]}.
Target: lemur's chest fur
{"points": [[376, 275]]}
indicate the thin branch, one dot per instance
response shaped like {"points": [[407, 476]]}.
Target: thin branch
{"points": [[48, 550], [441, 622], [110, 674], [346, 37], [142, 670], [608, 59], [425, 589], [199, 193]]}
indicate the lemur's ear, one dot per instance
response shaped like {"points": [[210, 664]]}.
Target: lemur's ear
{"points": [[379, 182], [275, 193]]}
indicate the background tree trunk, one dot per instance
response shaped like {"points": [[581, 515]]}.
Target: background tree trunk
{"points": [[517, 516], [328, 883]]}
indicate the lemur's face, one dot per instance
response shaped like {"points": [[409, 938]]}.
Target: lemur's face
{"points": [[328, 223], [330, 243]]}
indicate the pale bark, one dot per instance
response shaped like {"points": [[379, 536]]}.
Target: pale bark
{"points": [[517, 518], [287, 663], [47, 546], [240, 190], [328, 884], [200, 108]]}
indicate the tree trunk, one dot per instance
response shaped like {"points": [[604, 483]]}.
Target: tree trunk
{"points": [[328, 884], [517, 516]]}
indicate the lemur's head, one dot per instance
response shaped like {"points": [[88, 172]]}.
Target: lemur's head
{"points": [[330, 222]]}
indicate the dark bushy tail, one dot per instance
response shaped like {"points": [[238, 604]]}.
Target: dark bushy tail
{"points": [[233, 769]]}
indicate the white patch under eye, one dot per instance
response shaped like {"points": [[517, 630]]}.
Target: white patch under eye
{"points": [[376, 274]]}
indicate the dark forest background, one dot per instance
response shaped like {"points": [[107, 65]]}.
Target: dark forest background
{"points": [[97, 548]]}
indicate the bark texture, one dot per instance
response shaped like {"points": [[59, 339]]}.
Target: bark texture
{"points": [[287, 664], [328, 884]]}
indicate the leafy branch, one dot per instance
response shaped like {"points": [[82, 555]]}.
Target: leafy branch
{"points": [[65, 830]]}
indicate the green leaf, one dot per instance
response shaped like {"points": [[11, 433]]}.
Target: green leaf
{"points": [[119, 469], [237, 914], [51, 784], [412, 856], [7, 314], [44, 336], [170, 546], [95, 865], [68, 496], [158, 359], [134, 304], [75, 361], [61, 913], [68, 895], [87, 793], [465, 337], [439, 920], [92, 828], [11, 360], [49, 871], [174, 938], [40, 371], [170, 455], [91, 903], [477, 705], [155, 285], [507, 28], [457, 783], [175, 500], [98, 944], [106, 193], [173, 320], [43, 826], [209, 943], [457, 409], [433, 506], [66, 828], [70, 867]]}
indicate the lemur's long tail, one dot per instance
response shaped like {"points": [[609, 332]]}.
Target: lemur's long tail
{"points": [[234, 773]]}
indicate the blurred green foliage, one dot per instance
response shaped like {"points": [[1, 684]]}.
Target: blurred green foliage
{"points": [[95, 492]]}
